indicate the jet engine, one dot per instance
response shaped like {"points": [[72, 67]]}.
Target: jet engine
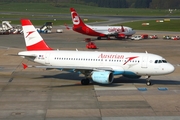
{"points": [[103, 77]]}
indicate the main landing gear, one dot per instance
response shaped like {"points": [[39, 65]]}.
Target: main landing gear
{"points": [[85, 81], [99, 38], [148, 81]]}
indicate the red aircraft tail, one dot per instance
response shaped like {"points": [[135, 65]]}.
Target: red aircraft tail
{"points": [[77, 22], [33, 39]]}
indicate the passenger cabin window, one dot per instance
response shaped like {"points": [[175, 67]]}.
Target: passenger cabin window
{"points": [[110, 60]]}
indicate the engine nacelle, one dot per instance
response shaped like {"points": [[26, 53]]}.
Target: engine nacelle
{"points": [[103, 77]]}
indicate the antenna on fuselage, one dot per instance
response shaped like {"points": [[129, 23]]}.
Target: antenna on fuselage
{"points": [[146, 52], [76, 49]]}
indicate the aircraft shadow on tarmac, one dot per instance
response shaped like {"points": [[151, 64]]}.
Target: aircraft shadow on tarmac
{"points": [[105, 39], [121, 79], [143, 81]]}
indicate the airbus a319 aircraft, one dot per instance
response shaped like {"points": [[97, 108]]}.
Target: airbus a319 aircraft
{"points": [[99, 31], [99, 66]]}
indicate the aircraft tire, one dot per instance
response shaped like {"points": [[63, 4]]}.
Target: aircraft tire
{"points": [[148, 83], [99, 38], [85, 81]]}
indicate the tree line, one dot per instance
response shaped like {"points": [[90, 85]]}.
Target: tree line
{"points": [[154, 4]]}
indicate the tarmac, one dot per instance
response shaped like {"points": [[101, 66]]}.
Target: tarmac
{"points": [[38, 94]]}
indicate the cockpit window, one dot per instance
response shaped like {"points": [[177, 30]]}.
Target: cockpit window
{"points": [[156, 61], [160, 61], [164, 61]]}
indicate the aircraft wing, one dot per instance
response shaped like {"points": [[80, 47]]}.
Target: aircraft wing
{"points": [[70, 67]]}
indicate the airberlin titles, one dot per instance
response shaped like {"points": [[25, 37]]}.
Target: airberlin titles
{"points": [[113, 29]]}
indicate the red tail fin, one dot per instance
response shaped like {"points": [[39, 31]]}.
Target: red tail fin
{"points": [[77, 22], [33, 39]]}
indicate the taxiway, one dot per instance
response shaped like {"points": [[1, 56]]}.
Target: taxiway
{"points": [[38, 94]]}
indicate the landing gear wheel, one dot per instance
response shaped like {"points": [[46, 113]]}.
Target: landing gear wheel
{"points": [[99, 38], [85, 81], [148, 83]]}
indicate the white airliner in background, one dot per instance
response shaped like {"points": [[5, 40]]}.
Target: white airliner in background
{"points": [[98, 66], [99, 31]]}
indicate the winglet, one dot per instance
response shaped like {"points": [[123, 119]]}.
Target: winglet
{"points": [[122, 28], [24, 65]]}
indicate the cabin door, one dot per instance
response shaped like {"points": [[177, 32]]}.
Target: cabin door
{"points": [[144, 62], [47, 55]]}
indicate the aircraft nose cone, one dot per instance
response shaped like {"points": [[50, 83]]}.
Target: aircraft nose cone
{"points": [[134, 32], [170, 68]]}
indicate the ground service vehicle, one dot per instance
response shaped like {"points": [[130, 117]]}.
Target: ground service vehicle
{"points": [[136, 37], [153, 36], [175, 38], [91, 45], [166, 37]]}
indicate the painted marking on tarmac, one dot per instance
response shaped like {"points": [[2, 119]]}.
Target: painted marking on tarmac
{"points": [[11, 79], [96, 87], [162, 88], [142, 89]]}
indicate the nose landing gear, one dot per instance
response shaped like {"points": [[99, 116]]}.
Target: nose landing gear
{"points": [[148, 81]]}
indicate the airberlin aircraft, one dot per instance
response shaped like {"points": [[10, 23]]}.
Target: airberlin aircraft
{"points": [[99, 31], [99, 66]]}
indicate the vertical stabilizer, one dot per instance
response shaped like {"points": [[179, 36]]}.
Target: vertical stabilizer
{"points": [[33, 39], [77, 22]]}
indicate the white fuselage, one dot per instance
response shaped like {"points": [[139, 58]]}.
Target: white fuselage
{"points": [[130, 63], [111, 30]]}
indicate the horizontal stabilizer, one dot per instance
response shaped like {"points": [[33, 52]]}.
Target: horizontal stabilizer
{"points": [[67, 27], [24, 65]]}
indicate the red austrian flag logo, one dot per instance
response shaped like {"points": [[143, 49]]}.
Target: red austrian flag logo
{"points": [[129, 59], [30, 32]]}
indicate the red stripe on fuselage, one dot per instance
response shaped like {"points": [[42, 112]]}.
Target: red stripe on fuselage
{"points": [[38, 46]]}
